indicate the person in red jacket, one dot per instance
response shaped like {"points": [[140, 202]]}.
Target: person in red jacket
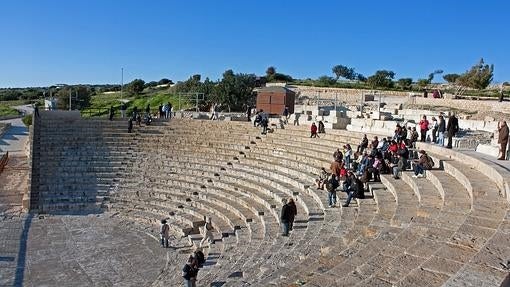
{"points": [[313, 131], [424, 127]]}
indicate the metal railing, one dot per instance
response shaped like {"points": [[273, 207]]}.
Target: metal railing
{"points": [[3, 161]]}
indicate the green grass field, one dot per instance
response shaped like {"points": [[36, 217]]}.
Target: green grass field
{"points": [[6, 110], [101, 103]]}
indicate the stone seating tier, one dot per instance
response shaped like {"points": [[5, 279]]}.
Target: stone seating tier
{"points": [[429, 231]]}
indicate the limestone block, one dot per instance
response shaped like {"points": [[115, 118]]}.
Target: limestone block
{"points": [[488, 149]]}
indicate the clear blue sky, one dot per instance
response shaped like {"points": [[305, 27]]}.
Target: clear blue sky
{"points": [[46, 42]]}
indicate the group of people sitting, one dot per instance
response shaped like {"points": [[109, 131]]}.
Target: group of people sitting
{"points": [[353, 170]]}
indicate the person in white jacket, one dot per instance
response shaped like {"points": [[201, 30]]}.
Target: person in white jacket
{"points": [[207, 233]]}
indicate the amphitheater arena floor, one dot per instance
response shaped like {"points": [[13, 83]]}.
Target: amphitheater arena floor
{"points": [[90, 250]]}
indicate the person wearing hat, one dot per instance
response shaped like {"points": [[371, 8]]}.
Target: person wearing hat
{"points": [[164, 232]]}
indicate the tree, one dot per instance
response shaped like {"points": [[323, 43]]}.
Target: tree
{"points": [[165, 81], [235, 90], [196, 77], [405, 83], [361, 78], [451, 78], [431, 75], [478, 77], [151, 84], [423, 82], [136, 86], [326, 81], [80, 97], [381, 78], [270, 71], [344, 72]]}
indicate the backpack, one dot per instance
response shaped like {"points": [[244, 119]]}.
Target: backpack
{"points": [[431, 161]]}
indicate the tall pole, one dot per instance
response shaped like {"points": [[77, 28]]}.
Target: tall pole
{"points": [[121, 81], [70, 94]]}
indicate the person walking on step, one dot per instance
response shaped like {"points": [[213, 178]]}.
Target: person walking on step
{"points": [[502, 139], [286, 115], [331, 186], [313, 131], [285, 217], [130, 125], [123, 109], [207, 233], [112, 113], [452, 128], [322, 129], [164, 232], [293, 213], [190, 272], [435, 127], [424, 127]]}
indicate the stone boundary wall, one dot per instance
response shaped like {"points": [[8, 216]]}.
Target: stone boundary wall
{"points": [[353, 96], [349, 96], [471, 105]]}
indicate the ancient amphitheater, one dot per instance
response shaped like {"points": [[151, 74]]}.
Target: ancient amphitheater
{"points": [[96, 194]]}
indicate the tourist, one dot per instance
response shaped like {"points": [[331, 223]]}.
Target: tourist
{"points": [[403, 133], [452, 128], [424, 127], [264, 122], [161, 113], [322, 129], [296, 119], [331, 186], [363, 163], [398, 132], [190, 272], [293, 213], [336, 167], [363, 144], [422, 164], [397, 164], [353, 187], [441, 130], [200, 257], [285, 217], [123, 109], [409, 136], [375, 143], [323, 176], [169, 111], [207, 235], [502, 139], [434, 129], [135, 113], [286, 115], [376, 168], [248, 113], [501, 94], [139, 119], [338, 155], [130, 125], [112, 112], [347, 156], [36, 110], [164, 233], [258, 119], [414, 137], [313, 131]]}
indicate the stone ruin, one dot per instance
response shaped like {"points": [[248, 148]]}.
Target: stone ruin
{"points": [[97, 193]]}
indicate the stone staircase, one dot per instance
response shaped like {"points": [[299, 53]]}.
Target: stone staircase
{"points": [[448, 229]]}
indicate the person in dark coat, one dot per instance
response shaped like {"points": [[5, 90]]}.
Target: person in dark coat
{"points": [[353, 187], [293, 213], [112, 112], [452, 128], [285, 217], [130, 125], [190, 272], [502, 139]]}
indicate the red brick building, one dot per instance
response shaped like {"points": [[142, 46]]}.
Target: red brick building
{"points": [[274, 99]]}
